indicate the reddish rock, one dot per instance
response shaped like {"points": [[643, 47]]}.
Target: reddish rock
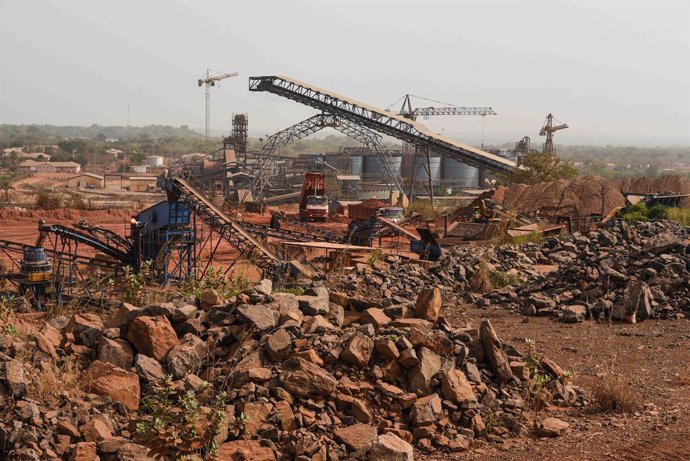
{"points": [[46, 346], [310, 355], [552, 427], [116, 351], [210, 297], [376, 317], [95, 430], [106, 379], [152, 336], [386, 348], [428, 305], [244, 450], [187, 357], [456, 388], [86, 329], [426, 409], [305, 379], [357, 350], [123, 314], [390, 447], [256, 415], [84, 451], [278, 345], [285, 416], [408, 358], [361, 412], [420, 375], [356, 437]]}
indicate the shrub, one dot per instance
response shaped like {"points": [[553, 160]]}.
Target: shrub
{"points": [[614, 393], [48, 200], [481, 279], [424, 208], [680, 215], [658, 212]]}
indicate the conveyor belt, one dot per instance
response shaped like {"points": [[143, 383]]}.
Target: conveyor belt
{"points": [[86, 239], [379, 120]]}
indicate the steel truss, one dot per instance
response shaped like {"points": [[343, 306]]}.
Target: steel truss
{"points": [[371, 139], [378, 120]]}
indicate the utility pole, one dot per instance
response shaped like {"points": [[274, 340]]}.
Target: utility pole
{"points": [[210, 81]]}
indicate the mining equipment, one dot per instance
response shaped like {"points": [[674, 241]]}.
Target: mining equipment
{"points": [[313, 203], [548, 129], [35, 277], [208, 81]]}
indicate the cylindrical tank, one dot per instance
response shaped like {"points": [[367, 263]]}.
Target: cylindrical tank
{"points": [[357, 165], [375, 169], [337, 161], [434, 166], [459, 174], [35, 265], [484, 176]]}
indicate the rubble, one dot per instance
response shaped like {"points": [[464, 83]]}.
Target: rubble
{"points": [[373, 388]]}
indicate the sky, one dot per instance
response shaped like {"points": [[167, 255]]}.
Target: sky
{"points": [[617, 72]]}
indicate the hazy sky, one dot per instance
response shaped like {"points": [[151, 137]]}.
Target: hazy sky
{"points": [[618, 72]]}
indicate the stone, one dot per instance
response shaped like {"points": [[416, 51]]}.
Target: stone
{"points": [[264, 287], [386, 348], [313, 305], [148, 369], [497, 358], [573, 314], [86, 329], [256, 414], [360, 411], [421, 324], [184, 313], [338, 298], [210, 297], [455, 387], [390, 447], [552, 427], [95, 430], [187, 357], [116, 351], [662, 243], [152, 336], [376, 317], [420, 375], [305, 379], [46, 346], [408, 358], [317, 324], [310, 355], [278, 345], [428, 304], [636, 304], [84, 451], [133, 452], [124, 313], [426, 409], [258, 316], [103, 378], [244, 450], [16, 379], [285, 416], [67, 428], [356, 437], [357, 350]]}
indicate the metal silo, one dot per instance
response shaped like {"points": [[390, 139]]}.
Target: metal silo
{"points": [[375, 169], [434, 167], [459, 174], [357, 165]]}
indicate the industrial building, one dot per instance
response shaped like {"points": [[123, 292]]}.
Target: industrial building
{"points": [[142, 183], [33, 167], [87, 180]]}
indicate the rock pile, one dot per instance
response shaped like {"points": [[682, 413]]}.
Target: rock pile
{"points": [[625, 272], [319, 376]]}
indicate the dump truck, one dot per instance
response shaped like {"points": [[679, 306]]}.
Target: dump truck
{"points": [[313, 203]]}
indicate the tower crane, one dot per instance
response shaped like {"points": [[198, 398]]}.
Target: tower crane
{"points": [[210, 81], [408, 112], [548, 129]]}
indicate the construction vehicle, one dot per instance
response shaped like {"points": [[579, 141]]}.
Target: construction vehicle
{"points": [[313, 203], [548, 129]]}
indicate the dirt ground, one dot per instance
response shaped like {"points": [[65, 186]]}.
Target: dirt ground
{"points": [[653, 356]]}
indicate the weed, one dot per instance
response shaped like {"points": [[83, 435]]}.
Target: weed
{"points": [[135, 282], [7, 325], [215, 279], [500, 279], [614, 393], [532, 237], [424, 208], [537, 395], [180, 426], [296, 290], [375, 257], [481, 279], [48, 200]]}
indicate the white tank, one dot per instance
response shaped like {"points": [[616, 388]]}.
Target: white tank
{"points": [[357, 165], [434, 167], [460, 174], [375, 169]]}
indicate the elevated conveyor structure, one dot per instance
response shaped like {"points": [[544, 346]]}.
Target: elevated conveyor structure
{"points": [[229, 229], [78, 236], [379, 120]]}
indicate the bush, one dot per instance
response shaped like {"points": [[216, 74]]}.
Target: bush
{"points": [[680, 215], [424, 208], [48, 200], [658, 212], [614, 393]]}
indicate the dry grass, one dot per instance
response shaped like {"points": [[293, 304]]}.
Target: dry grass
{"points": [[48, 385], [615, 393], [481, 279]]}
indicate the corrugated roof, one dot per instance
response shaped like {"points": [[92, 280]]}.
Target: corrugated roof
{"points": [[91, 175]]}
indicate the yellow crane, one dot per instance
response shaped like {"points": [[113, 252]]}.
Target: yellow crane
{"points": [[548, 129], [210, 81]]}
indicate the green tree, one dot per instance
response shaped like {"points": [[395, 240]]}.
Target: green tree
{"points": [[538, 168]]}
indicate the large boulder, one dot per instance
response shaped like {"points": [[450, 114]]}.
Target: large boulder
{"points": [[116, 351], [86, 328], [390, 447], [357, 350], [258, 315], [152, 336], [428, 305], [429, 363], [455, 387], [356, 437]]}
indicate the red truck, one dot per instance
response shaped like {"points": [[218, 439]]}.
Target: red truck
{"points": [[313, 203]]}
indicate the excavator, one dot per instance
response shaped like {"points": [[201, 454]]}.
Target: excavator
{"points": [[548, 129]]}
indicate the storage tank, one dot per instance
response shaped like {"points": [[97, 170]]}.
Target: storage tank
{"points": [[337, 161], [357, 165], [459, 174], [486, 175], [434, 166], [374, 168]]}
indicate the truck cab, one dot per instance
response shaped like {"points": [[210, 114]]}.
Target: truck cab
{"points": [[317, 208], [313, 203]]}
